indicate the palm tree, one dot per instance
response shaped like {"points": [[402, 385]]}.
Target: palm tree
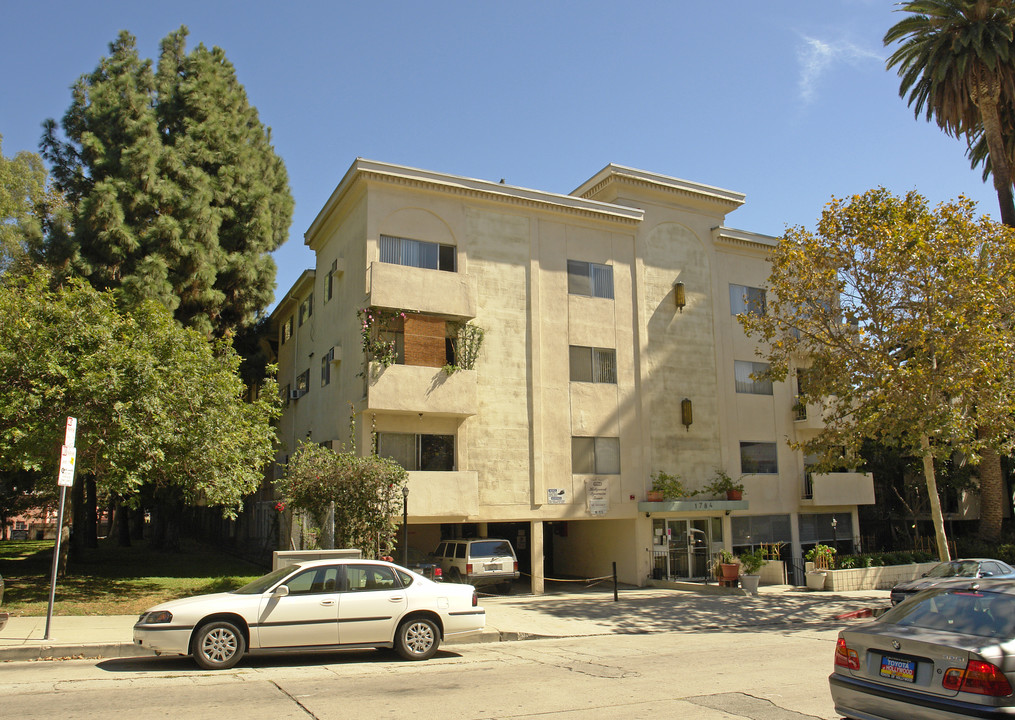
{"points": [[957, 64]]}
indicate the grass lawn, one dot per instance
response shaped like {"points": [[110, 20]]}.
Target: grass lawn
{"points": [[114, 581]]}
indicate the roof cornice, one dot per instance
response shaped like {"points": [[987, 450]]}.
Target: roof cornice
{"points": [[743, 238], [620, 176], [372, 171]]}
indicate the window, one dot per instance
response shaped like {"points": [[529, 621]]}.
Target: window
{"points": [[758, 458], [817, 528], [329, 357], [315, 580], [329, 285], [584, 278], [596, 365], [743, 370], [286, 392], [303, 383], [287, 329], [595, 455], [371, 577], [417, 253], [752, 530], [428, 453], [746, 300], [306, 309]]}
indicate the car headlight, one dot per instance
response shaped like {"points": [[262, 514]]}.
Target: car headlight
{"points": [[152, 618]]}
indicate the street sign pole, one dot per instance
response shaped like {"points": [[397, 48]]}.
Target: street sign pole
{"points": [[64, 479]]}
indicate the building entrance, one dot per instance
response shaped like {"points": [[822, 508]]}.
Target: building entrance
{"points": [[683, 548]]}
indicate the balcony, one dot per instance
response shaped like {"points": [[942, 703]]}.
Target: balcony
{"points": [[443, 494], [427, 291], [418, 389], [808, 417], [839, 488]]}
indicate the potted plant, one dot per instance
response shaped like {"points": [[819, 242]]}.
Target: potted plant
{"points": [[667, 487], [722, 484], [750, 564], [726, 568], [821, 556]]}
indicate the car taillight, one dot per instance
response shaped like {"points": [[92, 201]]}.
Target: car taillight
{"points": [[516, 566], [437, 574], [475, 599], [977, 677], [844, 657], [468, 568]]}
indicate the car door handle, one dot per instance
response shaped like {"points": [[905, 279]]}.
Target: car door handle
{"points": [[327, 602], [395, 598]]}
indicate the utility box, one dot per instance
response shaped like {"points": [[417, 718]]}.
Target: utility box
{"points": [[285, 558]]}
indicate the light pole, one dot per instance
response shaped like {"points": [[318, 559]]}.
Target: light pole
{"points": [[405, 526], [835, 535]]}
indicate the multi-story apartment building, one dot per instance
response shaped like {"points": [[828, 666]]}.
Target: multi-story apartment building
{"points": [[611, 352]]}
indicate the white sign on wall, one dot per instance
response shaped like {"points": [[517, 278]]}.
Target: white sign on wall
{"points": [[597, 496], [555, 496]]}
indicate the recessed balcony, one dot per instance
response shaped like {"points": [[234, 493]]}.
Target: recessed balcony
{"points": [[423, 290], [443, 494], [418, 389], [840, 488]]}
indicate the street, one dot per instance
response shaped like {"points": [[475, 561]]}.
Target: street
{"points": [[767, 674]]}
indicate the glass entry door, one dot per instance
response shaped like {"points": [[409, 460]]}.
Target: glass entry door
{"points": [[685, 547]]}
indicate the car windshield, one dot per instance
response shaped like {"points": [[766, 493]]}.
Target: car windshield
{"points": [[490, 548], [954, 569], [968, 612], [263, 583]]}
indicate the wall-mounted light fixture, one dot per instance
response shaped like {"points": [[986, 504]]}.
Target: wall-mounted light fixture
{"points": [[678, 296], [686, 416]]}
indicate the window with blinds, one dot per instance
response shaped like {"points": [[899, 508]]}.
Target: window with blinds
{"points": [[417, 253], [594, 365], [591, 279]]}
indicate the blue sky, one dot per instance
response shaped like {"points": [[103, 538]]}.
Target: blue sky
{"points": [[787, 102]]}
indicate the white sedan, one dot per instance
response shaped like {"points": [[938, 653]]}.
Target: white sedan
{"points": [[318, 605]]}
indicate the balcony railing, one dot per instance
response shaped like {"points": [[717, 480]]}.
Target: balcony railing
{"points": [[418, 389], [423, 290]]}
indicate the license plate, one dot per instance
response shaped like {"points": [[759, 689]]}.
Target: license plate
{"points": [[492, 566], [898, 668]]}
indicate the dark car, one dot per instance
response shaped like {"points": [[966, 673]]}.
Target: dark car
{"points": [[966, 568], [944, 653], [424, 564]]}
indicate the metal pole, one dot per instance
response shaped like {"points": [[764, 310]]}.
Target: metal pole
{"points": [[56, 561], [616, 597], [405, 526]]}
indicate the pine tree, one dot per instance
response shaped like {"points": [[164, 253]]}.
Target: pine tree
{"points": [[177, 192]]}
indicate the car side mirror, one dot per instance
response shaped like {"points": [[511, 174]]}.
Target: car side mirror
{"points": [[281, 591], [986, 574], [924, 575]]}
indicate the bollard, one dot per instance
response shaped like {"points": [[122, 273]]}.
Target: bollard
{"points": [[616, 597]]}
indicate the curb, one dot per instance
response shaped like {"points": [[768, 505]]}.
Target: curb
{"points": [[72, 652]]}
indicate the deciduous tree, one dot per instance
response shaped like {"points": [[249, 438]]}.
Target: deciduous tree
{"points": [[901, 316]]}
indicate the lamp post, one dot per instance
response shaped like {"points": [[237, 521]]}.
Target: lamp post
{"points": [[405, 526], [835, 535]]}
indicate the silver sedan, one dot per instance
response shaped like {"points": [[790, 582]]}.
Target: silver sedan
{"points": [[317, 605], [946, 653]]}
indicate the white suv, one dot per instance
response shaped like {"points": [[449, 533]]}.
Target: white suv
{"points": [[478, 562]]}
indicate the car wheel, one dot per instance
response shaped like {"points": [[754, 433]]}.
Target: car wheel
{"points": [[504, 588], [417, 639], [218, 645]]}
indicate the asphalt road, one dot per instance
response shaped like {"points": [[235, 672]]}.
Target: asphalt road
{"points": [[764, 674]]}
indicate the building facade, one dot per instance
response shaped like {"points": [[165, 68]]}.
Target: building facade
{"points": [[610, 352]]}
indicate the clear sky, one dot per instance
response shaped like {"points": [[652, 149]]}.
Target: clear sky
{"points": [[787, 102]]}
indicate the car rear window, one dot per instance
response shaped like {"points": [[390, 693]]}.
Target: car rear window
{"points": [[967, 612], [490, 548]]}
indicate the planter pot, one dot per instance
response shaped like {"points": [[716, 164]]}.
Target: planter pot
{"points": [[734, 494], [730, 573], [816, 580], [654, 496], [750, 583]]}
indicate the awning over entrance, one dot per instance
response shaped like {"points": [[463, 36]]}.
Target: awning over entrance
{"points": [[695, 506]]}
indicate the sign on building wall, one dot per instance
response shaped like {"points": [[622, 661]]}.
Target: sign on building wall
{"points": [[597, 496], [555, 496]]}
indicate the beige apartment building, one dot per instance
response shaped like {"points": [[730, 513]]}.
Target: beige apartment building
{"points": [[611, 351]]}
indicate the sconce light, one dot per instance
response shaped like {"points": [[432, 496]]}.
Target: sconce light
{"points": [[678, 296], [686, 416]]}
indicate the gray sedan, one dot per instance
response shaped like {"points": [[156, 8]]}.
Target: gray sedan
{"points": [[948, 652], [965, 568]]}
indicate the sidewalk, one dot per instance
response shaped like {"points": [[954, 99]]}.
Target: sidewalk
{"points": [[511, 617]]}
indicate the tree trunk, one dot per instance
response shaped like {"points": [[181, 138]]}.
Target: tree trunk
{"points": [[986, 99], [936, 516], [91, 539], [76, 546], [123, 526], [991, 495]]}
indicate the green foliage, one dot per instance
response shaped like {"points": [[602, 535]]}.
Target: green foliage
{"points": [[177, 194], [160, 409], [722, 484], [752, 562], [821, 555], [376, 326], [901, 312], [670, 486], [467, 339], [366, 492]]}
